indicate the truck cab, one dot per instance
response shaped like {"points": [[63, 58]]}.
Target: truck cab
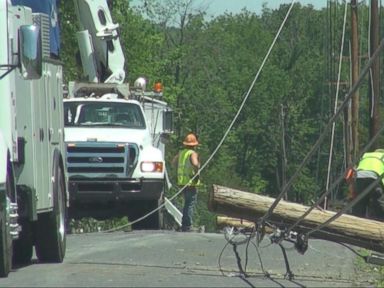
{"points": [[113, 131], [115, 152]]}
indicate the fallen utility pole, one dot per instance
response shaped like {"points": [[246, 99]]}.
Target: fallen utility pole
{"points": [[347, 229], [223, 221]]}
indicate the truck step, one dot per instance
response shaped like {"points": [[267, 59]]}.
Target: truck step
{"points": [[13, 217], [173, 211]]}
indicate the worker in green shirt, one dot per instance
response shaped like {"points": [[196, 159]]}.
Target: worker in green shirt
{"points": [[188, 165]]}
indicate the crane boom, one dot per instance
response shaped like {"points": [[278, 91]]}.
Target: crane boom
{"points": [[100, 49]]}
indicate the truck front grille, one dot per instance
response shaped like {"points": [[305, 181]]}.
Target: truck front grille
{"points": [[101, 159]]}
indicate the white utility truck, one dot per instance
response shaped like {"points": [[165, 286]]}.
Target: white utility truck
{"points": [[113, 132], [32, 163]]}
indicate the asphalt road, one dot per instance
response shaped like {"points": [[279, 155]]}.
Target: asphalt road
{"points": [[175, 259]]}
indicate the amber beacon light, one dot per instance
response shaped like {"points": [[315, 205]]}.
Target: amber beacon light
{"points": [[158, 87]]}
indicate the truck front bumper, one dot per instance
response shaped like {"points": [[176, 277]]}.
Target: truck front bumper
{"points": [[102, 190]]}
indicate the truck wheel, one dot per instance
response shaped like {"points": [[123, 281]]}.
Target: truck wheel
{"points": [[5, 236], [22, 247], [160, 223], [155, 220], [50, 231]]}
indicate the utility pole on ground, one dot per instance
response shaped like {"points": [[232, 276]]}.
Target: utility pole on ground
{"points": [[348, 229]]}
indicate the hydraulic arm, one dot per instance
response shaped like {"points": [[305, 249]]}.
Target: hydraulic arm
{"points": [[100, 49]]}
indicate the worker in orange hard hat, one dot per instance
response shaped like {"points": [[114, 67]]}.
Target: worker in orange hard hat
{"points": [[188, 166], [190, 140]]}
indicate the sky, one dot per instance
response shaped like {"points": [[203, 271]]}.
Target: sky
{"points": [[218, 7]]}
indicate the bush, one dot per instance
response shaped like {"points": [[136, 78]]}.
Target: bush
{"points": [[87, 225]]}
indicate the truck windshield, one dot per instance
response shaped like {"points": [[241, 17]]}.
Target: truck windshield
{"points": [[111, 114]]}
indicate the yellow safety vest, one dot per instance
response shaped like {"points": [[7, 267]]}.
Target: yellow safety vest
{"points": [[185, 169], [372, 161]]}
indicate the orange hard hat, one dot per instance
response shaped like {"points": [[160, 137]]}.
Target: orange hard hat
{"points": [[190, 140]]}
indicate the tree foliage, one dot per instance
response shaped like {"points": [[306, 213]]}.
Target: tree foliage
{"points": [[207, 67]]}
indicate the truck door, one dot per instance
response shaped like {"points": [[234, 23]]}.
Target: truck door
{"points": [[154, 114]]}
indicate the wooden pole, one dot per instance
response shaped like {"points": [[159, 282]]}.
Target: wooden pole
{"points": [[355, 76], [347, 229], [223, 221]]}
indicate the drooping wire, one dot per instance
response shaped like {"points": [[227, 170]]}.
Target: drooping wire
{"points": [[261, 262], [322, 136], [365, 192], [377, 52], [324, 87], [230, 234], [336, 100], [350, 248], [338, 181], [229, 127], [219, 259], [246, 252], [360, 196]]}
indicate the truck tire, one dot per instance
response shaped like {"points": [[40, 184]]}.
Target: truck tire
{"points": [[160, 215], [50, 231], [153, 221], [5, 236]]}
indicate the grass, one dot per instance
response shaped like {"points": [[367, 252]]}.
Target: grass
{"points": [[87, 225], [373, 274]]}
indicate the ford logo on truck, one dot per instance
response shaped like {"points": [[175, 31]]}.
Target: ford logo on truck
{"points": [[95, 160]]}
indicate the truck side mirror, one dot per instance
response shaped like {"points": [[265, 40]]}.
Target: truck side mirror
{"points": [[168, 121], [30, 51]]}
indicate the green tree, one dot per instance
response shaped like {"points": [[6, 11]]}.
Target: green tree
{"points": [[207, 67]]}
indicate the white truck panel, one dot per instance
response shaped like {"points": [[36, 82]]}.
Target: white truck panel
{"points": [[3, 162], [154, 113], [30, 110], [31, 138]]}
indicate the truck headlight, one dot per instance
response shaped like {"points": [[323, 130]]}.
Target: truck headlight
{"points": [[151, 167]]}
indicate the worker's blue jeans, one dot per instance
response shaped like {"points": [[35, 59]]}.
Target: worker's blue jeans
{"points": [[190, 196]]}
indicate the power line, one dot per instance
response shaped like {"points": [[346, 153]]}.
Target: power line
{"points": [[229, 127], [338, 181], [322, 136], [336, 100]]}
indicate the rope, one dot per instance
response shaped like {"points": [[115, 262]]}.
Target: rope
{"points": [[229, 127], [336, 100], [230, 234], [322, 136], [266, 274], [219, 259]]}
